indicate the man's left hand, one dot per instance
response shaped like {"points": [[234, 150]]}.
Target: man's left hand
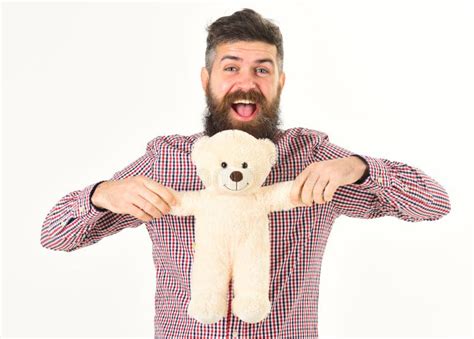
{"points": [[320, 180]]}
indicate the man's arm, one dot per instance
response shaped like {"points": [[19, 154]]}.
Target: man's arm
{"points": [[388, 188], [74, 222]]}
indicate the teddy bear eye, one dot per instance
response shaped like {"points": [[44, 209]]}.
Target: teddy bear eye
{"points": [[244, 165], [224, 164]]}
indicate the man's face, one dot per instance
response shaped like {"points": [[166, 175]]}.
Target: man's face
{"points": [[243, 89]]}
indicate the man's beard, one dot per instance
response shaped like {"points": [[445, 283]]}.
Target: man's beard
{"points": [[265, 124]]}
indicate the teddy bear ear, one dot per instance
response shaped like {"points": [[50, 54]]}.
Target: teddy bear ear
{"points": [[270, 150], [198, 148]]}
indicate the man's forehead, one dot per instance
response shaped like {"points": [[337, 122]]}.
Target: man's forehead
{"points": [[246, 50]]}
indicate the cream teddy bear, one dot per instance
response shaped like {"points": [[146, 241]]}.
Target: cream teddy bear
{"points": [[232, 238]]}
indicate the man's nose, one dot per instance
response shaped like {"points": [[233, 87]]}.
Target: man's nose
{"points": [[246, 82]]}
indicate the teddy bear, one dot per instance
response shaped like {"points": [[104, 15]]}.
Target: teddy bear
{"points": [[232, 239]]}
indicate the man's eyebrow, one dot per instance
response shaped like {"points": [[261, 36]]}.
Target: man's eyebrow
{"points": [[231, 57], [258, 61], [261, 61]]}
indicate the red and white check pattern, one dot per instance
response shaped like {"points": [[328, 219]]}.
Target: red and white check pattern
{"points": [[298, 237]]}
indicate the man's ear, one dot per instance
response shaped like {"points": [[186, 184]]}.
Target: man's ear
{"points": [[282, 79], [204, 78]]}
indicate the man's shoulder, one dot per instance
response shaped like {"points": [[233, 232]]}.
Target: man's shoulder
{"points": [[176, 142], [291, 137], [302, 135]]}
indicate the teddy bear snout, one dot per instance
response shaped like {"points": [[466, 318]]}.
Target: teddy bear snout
{"points": [[236, 176]]}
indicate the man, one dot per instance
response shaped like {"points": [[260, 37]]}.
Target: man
{"points": [[242, 79]]}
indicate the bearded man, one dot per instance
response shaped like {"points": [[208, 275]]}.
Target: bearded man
{"points": [[243, 78]]}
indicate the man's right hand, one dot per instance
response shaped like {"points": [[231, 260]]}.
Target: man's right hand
{"points": [[138, 196]]}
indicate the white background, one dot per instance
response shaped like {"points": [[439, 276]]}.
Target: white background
{"points": [[87, 85]]}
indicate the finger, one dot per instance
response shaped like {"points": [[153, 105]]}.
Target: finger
{"points": [[139, 214], [296, 187], [146, 207], [307, 191], [156, 201], [318, 190], [161, 190], [329, 191]]}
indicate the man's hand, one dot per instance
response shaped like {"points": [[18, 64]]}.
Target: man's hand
{"points": [[320, 180], [139, 196]]}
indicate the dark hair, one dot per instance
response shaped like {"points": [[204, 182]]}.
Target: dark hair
{"points": [[244, 25]]}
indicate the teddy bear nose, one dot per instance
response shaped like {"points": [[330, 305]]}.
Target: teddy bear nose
{"points": [[236, 176]]}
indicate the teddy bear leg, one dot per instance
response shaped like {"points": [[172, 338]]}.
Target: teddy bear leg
{"points": [[251, 279], [210, 276]]}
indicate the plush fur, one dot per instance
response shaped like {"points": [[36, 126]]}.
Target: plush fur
{"points": [[231, 225]]}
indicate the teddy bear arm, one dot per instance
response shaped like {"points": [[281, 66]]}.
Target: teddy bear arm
{"points": [[187, 203], [276, 197]]}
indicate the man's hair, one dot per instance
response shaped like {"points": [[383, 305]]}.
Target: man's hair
{"points": [[244, 25]]}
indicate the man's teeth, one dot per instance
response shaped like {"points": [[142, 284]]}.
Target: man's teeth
{"points": [[244, 102]]}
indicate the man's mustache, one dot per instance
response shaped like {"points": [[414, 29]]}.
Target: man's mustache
{"points": [[218, 116], [251, 95]]}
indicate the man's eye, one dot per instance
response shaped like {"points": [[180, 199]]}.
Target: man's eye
{"points": [[228, 68], [262, 69]]}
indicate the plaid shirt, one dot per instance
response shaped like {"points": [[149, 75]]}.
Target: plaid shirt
{"points": [[298, 236]]}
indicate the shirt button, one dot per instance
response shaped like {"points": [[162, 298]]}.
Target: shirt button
{"points": [[235, 334], [82, 209], [380, 181]]}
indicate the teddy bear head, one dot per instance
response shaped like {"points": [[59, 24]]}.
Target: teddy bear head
{"points": [[233, 161]]}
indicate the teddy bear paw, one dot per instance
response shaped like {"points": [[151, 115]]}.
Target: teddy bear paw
{"points": [[208, 309], [251, 309]]}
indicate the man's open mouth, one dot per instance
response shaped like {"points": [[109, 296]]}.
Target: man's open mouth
{"points": [[244, 109]]}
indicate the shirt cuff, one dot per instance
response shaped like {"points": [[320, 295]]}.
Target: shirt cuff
{"points": [[83, 207], [100, 209], [378, 178]]}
